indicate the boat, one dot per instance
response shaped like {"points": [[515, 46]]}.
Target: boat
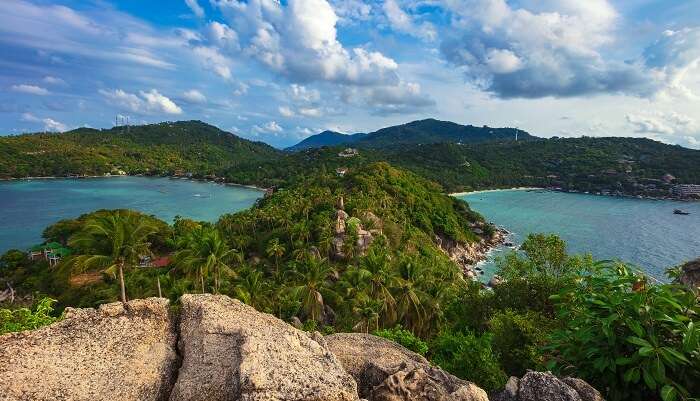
{"points": [[681, 212]]}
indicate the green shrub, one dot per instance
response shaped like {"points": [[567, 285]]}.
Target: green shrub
{"points": [[405, 338], [26, 319], [518, 340], [468, 357], [640, 341]]}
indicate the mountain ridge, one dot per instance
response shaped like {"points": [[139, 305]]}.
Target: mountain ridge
{"points": [[426, 131]]}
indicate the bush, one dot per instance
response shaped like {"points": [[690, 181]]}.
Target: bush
{"points": [[639, 341], [518, 339], [468, 357], [26, 319], [405, 338]]}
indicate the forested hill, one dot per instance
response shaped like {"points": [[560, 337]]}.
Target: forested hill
{"points": [[164, 148], [632, 166], [417, 132], [326, 138]]}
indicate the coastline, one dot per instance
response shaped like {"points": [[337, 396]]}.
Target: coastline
{"points": [[497, 190], [173, 177]]}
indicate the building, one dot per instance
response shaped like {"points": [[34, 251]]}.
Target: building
{"points": [[668, 178], [686, 190], [349, 152]]}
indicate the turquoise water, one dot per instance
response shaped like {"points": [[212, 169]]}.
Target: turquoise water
{"points": [[643, 232], [27, 207]]}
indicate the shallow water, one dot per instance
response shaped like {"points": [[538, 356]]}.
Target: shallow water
{"points": [[27, 207], [642, 232]]}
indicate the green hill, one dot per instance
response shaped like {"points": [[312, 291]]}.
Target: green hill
{"points": [[165, 148], [417, 132]]}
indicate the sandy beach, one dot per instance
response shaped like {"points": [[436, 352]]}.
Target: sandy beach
{"points": [[496, 190]]}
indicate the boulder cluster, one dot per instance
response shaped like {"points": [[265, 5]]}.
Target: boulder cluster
{"points": [[217, 348], [346, 227]]}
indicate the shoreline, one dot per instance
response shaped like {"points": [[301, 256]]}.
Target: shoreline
{"points": [[498, 190], [172, 177]]}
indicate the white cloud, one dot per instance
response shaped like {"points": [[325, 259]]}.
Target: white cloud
{"points": [[299, 40], [310, 112], [662, 123], [673, 57], [54, 81], [286, 111], [543, 48], [405, 98], [195, 7], [241, 89], [50, 125], [223, 36], [401, 21], [147, 102], [211, 58], [300, 93], [194, 96], [30, 89], [270, 127]]}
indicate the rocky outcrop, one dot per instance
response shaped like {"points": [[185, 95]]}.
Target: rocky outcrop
{"points": [[544, 386], [467, 255], [221, 349], [231, 351], [117, 352], [364, 237], [386, 371], [690, 275]]}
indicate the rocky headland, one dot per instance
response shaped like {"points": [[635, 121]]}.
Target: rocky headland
{"points": [[217, 348]]}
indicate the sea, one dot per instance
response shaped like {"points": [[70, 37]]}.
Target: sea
{"points": [[642, 232], [29, 206]]}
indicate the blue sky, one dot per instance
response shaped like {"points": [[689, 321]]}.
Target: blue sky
{"points": [[280, 71]]}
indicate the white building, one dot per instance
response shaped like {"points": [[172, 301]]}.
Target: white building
{"points": [[686, 190]]}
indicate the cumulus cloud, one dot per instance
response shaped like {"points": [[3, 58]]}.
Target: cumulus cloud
{"points": [[195, 7], [211, 58], [301, 93], [672, 57], [662, 123], [544, 48], [194, 96], [403, 22], [150, 102], [30, 89], [286, 111], [54, 81], [270, 127], [298, 39], [50, 125], [405, 98]]}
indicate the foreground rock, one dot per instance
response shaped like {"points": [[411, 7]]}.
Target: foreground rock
{"points": [[117, 352], [544, 386], [690, 275], [386, 371], [232, 352]]}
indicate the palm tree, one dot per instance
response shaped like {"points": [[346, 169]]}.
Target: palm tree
{"points": [[276, 250], [204, 251], [380, 276], [410, 299], [313, 288], [251, 288], [115, 242]]}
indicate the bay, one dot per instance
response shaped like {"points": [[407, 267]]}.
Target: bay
{"points": [[28, 206], [643, 232]]}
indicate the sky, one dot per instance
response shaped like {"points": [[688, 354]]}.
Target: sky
{"points": [[279, 71]]}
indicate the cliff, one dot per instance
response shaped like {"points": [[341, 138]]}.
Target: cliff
{"points": [[217, 348]]}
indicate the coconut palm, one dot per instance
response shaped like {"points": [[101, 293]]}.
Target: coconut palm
{"points": [[115, 242], [276, 250], [251, 288], [410, 299], [380, 276], [205, 252], [314, 288]]}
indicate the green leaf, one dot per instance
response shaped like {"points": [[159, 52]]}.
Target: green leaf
{"points": [[639, 341], [648, 379], [622, 361], [646, 351], [632, 375], [668, 393]]}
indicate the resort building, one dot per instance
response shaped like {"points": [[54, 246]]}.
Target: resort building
{"points": [[686, 190], [349, 152]]}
